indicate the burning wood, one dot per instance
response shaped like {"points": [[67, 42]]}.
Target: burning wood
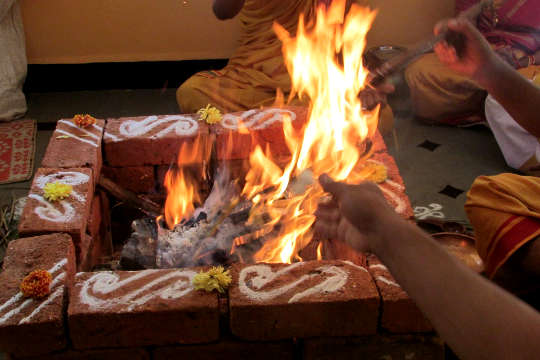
{"points": [[272, 214], [129, 197]]}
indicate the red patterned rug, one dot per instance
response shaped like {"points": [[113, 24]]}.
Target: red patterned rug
{"points": [[17, 147]]}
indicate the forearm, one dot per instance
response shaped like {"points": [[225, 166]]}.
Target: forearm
{"points": [[519, 96], [227, 9], [476, 318]]}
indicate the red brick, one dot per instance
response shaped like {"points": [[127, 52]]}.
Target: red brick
{"points": [[84, 252], [399, 312], [139, 179], [262, 307], [394, 188], [155, 140], [33, 327], [100, 242], [396, 347], [228, 350], [81, 149], [167, 311], [69, 215], [105, 243], [234, 144], [94, 220], [106, 354], [378, 143]]}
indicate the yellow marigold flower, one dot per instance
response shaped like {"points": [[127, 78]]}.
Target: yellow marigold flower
{"points": [[56, 191], [217, 278], [37, 284], [377, 172], [84, 120], [210, 114]]}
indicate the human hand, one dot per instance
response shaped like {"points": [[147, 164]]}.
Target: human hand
{"points": [[357, 215], [477, 59], [370, 97]]}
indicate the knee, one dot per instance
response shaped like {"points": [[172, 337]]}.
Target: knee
{"points": [[413, 72], [184, 93]]}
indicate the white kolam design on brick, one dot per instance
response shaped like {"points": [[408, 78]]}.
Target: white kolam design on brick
{"points": [[333, 278], [383, 278], [98, 291], [401, 205], [18, 302], [176, 124], [89, 137], [51, 211], [257, 119]]}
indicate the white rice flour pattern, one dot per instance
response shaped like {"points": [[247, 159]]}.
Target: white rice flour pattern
{"points": [[257, 119], [17, 303], [61, 211], [88, 137], [392, 189], [253, 278], [106, 290], [383, 278], [432, 210], [180, 125]]}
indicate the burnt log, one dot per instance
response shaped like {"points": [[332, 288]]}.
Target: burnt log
{"points": [[130, 198]]}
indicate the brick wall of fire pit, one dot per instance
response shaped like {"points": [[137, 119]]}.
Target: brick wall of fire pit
{"points": [[348, 306]]}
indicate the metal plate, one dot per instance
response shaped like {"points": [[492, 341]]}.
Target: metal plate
{"points": [[462, 248], [386, 52]]}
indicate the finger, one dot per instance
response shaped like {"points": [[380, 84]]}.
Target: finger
{"points": [[439, 27], [386, 88], [464, 26], [335, 188], [325, 229], [327, 214]]}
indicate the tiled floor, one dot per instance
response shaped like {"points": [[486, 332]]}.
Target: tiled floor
{"points": [[462, 154]]}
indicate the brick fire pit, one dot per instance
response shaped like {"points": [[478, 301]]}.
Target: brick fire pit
{"points": [[348, 307]]}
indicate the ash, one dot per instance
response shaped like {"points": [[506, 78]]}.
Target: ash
{"points": [[208, 237], [218, 232]]}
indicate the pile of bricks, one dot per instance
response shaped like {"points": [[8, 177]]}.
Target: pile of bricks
{"points": [[313, 310]]}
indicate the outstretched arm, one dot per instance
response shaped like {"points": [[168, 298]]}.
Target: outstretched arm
{"points": [[227, 9], [475, 317], [519, 97]]}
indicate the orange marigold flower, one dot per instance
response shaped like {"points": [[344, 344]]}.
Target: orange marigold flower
{"points": [[36, 284], [84, 120]]}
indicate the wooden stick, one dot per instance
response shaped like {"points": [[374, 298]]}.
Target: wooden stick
{"points": [[129, 197]]}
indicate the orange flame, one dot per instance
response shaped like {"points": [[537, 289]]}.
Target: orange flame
{"points": [[319, 251], [182, 188], [325, 64], [182, 194]]}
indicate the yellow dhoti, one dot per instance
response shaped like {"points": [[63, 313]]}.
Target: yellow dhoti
{"points": [[256, 69], [438, 93], [505, 213]]}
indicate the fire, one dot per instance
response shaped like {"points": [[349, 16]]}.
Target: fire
{"points": [[182, 191], [182, 194], [324, 60]]}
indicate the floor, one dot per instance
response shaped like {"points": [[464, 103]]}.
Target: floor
{"points": [[451, 157]]}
